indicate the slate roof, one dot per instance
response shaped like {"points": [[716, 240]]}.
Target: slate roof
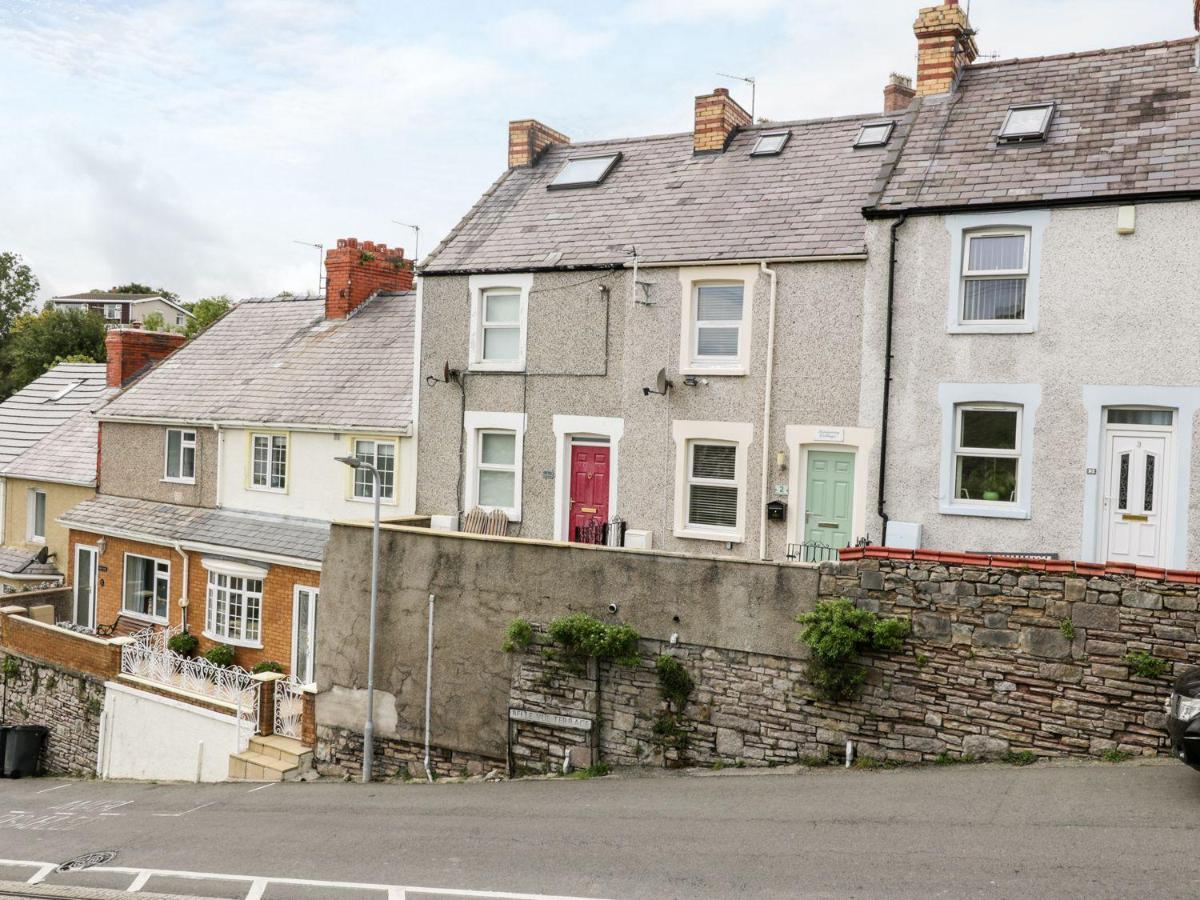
{"points": [[30, 414], [1127, 122], [66, 455], [674, 205], [165, 522], [16, 561], [281, 362], [110, 296]]}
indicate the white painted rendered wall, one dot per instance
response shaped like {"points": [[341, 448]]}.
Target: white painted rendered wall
{"points": [[146, 736], [318, 487]]}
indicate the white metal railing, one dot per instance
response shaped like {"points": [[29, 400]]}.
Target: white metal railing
{"points": [[232, 685], [289, 707]]}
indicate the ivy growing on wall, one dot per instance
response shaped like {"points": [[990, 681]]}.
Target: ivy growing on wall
{"points": [[837, 632], [676, 686]]}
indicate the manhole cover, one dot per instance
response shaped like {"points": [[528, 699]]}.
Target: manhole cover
{"points": [[87, 860]]}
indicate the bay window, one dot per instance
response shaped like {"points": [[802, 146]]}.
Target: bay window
{"points": [[233, 612]]}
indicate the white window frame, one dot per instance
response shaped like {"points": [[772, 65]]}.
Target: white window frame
{"points": [[313, 605], [184, 443], [954, 397], [477, 423], [247, 574], [31, 528], [271, 436], [112, 306], [375, 439], [690, 280], [160, 574], [969, 274], [961, 228], [479, 285], [685, 434]]}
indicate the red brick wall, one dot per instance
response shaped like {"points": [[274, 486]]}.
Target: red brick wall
{"points": [[354, 271], [56, 645], [132, 350], [278, 589]]}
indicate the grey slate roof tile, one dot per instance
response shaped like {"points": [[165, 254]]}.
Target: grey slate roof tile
{"points": [[67, 454], [673, 205], [166, 523], [282, 362], [1127, 122], [30, 414]]}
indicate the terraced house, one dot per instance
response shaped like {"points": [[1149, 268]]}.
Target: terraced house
{"points": [[1034, 255], [658, 334], [219, 472]]}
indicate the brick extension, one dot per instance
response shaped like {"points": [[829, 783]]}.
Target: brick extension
{"points": [[355, 271], [718, 117], [131, 351], [527, 138], [945, 43]]}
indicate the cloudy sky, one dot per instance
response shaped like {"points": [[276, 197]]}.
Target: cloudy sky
{"points": [[188, 143]]}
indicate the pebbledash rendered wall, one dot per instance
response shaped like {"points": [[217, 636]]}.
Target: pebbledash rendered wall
{"points": [[1002, 658]]}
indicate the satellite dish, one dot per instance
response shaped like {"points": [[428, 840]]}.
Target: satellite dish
{"points": [[43, 555], [662, 384]]}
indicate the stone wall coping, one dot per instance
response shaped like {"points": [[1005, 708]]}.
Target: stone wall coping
{"points": [[13, 611], [267, 676], [169, 691], [1050, 566]]}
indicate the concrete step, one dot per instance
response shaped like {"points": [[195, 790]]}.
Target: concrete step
{"points": [[282, 748], [251, 766]]}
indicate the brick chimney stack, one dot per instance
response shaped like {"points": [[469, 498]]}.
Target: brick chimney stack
{"points": [[945, 44], [354, 271], [718, 116], [527, 138], [899, 93], [132, 351]]}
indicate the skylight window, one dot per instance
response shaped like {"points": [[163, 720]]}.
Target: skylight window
{"points": [[1027, 123], [584, 171], [771, 143], [876, 134]]}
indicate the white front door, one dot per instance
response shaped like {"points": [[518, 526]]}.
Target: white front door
{"points": [[1135, 497], [304, 637], [83, 608]]}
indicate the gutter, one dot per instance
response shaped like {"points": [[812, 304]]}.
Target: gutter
{"points": [[683, 263], [874, 212], [766, 435], [887, 375], [404, 431]]}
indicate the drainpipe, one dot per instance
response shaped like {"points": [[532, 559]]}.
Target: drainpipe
{"points": [[887, 373], [766, 435], [428, 688], [220, 453], [183, 594]]}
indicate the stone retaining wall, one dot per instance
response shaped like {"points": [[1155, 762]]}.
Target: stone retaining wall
{"points": [[1000, 659], [67, 702], [339, 751]]}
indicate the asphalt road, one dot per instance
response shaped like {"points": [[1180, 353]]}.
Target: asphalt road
{"points": [[1078, 830]]}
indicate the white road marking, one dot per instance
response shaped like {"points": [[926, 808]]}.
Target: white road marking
{"points": [[59, 788], [257, 884], [261, 787], [186, 811]]}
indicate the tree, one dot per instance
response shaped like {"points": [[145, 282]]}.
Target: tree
{"points": [[204, 313], [155, 322], [18, 290], [38, 341], [136, 287]]}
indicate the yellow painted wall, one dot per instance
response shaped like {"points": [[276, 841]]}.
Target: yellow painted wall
{"points": [[59, 498]]}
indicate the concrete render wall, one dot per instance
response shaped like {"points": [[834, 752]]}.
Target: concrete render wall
{"points": [[1114, 310], [133, 460], [67, 701], [817, 348], [480, 586], [989, 669]]}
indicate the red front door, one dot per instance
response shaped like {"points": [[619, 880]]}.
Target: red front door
{"points": [[589, 487]]}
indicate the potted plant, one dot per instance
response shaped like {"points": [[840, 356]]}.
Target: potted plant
{"points": [[184, 644], [997, 485], [220, 655]]}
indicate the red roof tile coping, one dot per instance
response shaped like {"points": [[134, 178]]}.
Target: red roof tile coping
{"points": [[1053, 566]]}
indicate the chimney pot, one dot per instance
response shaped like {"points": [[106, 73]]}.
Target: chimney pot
{"points": [[717, 118], [355, 271]]}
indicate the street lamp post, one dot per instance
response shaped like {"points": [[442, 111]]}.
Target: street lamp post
{"points": [[369, 728]]}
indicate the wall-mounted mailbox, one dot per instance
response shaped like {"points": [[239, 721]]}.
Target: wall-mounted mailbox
{"points": [[777, 511]]}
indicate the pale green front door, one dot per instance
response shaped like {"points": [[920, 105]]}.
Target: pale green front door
{"points": [[829, 498]]}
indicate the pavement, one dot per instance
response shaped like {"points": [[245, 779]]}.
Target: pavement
{"points": [[1092, 830]]}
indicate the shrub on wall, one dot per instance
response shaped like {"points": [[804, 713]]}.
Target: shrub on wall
{"points": [[1146, 665], [837, 632], [220, 655], [518, 637], [267, 665], [580, 637]]}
